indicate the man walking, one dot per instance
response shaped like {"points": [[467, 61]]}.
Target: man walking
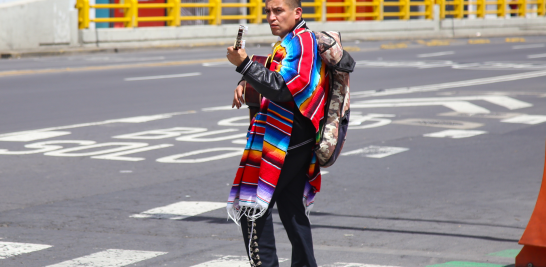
{"points": [[278, 164]]}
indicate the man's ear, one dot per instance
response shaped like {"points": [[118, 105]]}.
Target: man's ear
{"points": [[298, 12]]}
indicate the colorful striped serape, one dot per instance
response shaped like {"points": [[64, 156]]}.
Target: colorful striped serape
{"points": [[297, 60]]}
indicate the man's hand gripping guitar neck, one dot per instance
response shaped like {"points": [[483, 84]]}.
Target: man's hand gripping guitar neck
{"points": [[237, 57]]}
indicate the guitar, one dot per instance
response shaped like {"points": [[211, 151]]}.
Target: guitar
{"points": [[251, 96]]}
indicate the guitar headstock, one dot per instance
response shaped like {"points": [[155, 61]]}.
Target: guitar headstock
{"points": [[239, 42]]}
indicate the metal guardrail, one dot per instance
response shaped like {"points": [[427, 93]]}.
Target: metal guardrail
{"points": [[377, 10]]}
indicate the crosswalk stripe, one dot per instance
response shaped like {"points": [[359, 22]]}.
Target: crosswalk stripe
{"points": [[229, 261], [344, 264], [180, 210], [226, 261], [526, 119], [110, 258], [10, 249]]}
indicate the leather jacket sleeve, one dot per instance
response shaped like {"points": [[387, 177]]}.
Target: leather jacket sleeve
{"points": [[268, 83]]}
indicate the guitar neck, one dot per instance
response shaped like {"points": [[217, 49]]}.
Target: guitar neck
{"points": [[237, 44]]}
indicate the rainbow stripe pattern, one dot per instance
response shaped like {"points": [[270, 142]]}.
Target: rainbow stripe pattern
{"points": [[296, 58]]}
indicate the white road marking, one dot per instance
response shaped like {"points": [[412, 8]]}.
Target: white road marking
{"points": [[458, 104], [378, 120], [10, 249], [376, 151], [180, 210], [455, 133], [218, 108], [226, 261], [448, 85], [163, 77], [161, 133], [237, 152], [239, 141], [118, 155], [451, 124], [118, 146], [232, 121], [528, 46], [492, 115], [138, 119], [119, 59], [229, 261], [42, 147], [527, 119], [345, 264], [324, 172], [217, 64], [200, 137], [404, 64], [33, 136], [437, 54], [110, 258], [536, 56]]}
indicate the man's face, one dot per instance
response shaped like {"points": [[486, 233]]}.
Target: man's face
{"points": [[281, 17]]}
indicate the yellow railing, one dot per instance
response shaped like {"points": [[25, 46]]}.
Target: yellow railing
{"points": [[501, 8], [380, 9]]}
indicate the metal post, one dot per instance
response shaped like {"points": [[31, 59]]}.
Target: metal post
{"points": [[379, 6], [481, 9], [323, 10], [522, 8], [405, 9], [174, 13], [541, 8], [501, 8], [460, 9]]}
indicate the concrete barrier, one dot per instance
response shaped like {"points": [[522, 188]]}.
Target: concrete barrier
{"points": [[52, 25], [34, 24]]}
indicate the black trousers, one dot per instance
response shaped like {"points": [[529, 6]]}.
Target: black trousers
{"points": [[288, 195]]}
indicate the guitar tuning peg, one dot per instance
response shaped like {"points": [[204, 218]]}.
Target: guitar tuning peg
{"points": [[243, 42], [245, 28]]}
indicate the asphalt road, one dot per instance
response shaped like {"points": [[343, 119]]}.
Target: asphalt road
{"points": [[103, 163]]}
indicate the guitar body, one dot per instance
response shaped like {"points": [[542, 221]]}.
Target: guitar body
{"points": [[251, 96]]}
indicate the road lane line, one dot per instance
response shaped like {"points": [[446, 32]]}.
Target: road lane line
{"points": [[109, 67], [110, 258], [376, 151], [536, 56], [529, 46], [163, 77], [180, 210], [455, 134], [10, 249], [437, 54], [448, 85]]}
